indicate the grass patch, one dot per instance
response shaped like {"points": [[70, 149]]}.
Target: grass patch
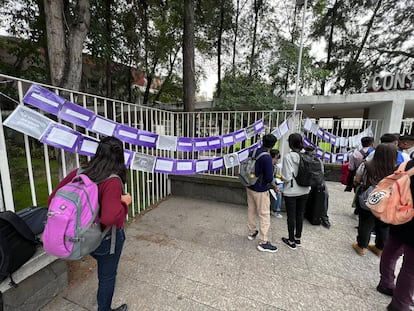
{"points": [[20, 181]]}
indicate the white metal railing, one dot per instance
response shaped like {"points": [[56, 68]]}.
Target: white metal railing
{"points": [[33, 166]]}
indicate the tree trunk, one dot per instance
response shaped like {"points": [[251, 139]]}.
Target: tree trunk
{"points": [[253, 50], [236, 30], [219, 41], [188, 57], [65, 38], [330, 43], [351, 64]]}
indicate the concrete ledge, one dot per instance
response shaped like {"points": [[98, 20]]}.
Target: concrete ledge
{"points": [[39, 280], [209, 187], [333, 172], [223, 188]]}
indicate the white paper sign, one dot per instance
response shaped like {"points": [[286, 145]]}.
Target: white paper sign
{"points": [[103, 126], [28, 121], [60, 136]]}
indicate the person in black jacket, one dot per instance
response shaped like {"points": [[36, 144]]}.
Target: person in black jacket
{"points": [[258, 200], [400, 242]]}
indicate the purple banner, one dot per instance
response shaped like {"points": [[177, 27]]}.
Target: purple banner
{"points": [[146, 139], [327, 156], [128, 155], [216, 164], [320, 133], [243, 154], [214, 142], [255, 146], [62, 137], [126, 133], [240, 135], [326, 136], [319, 152], [340, 158], [185, 144], [201, 143], [76, 114], [43, 99], [259, 126], [228, 140], [87, 146], [164, 165], [102, 126], [202, 166], [185, 167], [333, 140], [307, 142]]}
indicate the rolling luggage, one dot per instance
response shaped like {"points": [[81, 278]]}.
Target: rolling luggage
{"points": [[315, 205]]}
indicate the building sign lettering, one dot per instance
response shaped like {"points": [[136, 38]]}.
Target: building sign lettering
{"points": [[399, 81]]}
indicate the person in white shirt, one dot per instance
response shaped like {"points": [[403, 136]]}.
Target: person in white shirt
{"points": [[295, 196]]}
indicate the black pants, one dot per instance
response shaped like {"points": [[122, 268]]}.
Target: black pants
{"points": [[295, 209], [367, 221]]}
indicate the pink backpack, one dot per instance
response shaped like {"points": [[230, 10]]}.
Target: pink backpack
{"points": [[72, 229], [391, 200]]}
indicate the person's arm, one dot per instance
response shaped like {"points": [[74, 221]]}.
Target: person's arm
{"points": [[287, 168], [113, 202]]}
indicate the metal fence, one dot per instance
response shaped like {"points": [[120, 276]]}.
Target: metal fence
{"points": [[31, 169]]}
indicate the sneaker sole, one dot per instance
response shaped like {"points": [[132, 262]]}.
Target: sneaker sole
{"points": [[266, 250], [250, 238]]}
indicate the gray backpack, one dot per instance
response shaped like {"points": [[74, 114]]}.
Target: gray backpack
{"points": [[247, 174]]}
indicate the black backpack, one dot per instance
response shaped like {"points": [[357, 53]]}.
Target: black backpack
{"points": [[309, 171], [17, 244]]}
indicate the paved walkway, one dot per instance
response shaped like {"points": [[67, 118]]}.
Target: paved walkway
{"points": [[188, 254]]}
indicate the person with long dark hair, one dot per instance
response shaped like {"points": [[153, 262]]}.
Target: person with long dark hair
{"points": [[107, 162], [369, 174], [295, 196]]}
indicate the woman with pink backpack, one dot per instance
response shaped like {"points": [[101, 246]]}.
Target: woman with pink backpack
{"points": [[108, 160]]}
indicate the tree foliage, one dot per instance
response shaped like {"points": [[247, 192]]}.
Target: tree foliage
{"points": [[258, 39]]}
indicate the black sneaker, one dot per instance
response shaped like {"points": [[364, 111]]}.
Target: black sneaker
{"points": [[123, 307], [291, 245], [253, 235], [298, 243], [267, 247], [326, 224], [385, 290]]}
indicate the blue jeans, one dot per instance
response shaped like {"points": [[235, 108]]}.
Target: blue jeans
{"points": [[107, 268], [277, 204]]}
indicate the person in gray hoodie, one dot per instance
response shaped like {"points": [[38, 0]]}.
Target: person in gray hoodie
{"points": [[295, 196]]}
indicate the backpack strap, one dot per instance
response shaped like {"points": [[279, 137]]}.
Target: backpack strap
{"points": [[403, 166], [113, 227]]}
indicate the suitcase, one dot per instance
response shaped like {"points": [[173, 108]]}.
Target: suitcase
{"points": [[315, 206], [35, 217]]}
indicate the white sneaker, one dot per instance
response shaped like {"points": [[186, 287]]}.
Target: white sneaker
{"points": [[279, 215], [272, 213]]}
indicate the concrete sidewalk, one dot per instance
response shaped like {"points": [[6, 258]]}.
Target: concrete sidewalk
{"points": [[188, 254]]}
